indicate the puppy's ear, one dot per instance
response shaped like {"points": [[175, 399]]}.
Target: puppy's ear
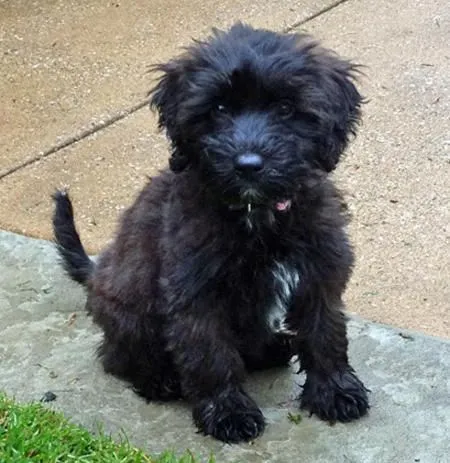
{"points": [[342, 108], [166, 99]]}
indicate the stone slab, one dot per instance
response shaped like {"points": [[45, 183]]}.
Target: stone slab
{"points": [[48, 343]]}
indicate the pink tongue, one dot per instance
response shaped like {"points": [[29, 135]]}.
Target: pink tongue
{"points": [[283, 205]]}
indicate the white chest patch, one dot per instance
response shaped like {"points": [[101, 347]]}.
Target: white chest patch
{"points": [[285, 281]]}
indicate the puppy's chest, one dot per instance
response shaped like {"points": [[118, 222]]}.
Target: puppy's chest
{"points": [[284, 280]]}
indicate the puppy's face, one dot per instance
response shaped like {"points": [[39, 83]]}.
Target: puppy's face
{"points": [[259, 114]]}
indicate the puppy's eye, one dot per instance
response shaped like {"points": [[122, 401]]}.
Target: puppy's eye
{"points": [[218, 109], [286, 109]]}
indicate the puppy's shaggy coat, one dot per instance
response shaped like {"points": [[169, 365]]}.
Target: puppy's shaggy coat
{"points": [[236, 258]]}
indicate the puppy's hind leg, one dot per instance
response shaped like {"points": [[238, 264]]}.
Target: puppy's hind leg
{"points": [[145, 365], [274, 354], [133, 349]]}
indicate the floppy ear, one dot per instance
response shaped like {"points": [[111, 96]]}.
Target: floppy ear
{"points": [[343, 108], [166, 99]]}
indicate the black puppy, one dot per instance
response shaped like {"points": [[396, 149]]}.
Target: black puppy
{"points": [[235, 259]]}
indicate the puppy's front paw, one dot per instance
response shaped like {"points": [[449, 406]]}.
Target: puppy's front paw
{"points": [[339, 397], [230, 416]]}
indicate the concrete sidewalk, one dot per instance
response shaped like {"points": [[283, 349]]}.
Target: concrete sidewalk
{"points": [[48, 343], [71, 69]]}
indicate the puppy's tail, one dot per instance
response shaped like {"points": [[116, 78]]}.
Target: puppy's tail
{"points": [[74, 258]]}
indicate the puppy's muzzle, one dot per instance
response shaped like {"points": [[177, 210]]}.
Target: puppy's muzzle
{"points": [[249, 163]]}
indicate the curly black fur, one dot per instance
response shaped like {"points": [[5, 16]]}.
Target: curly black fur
{"points": [[236, 259], [231, 416], [74, 259], [341, 396]]}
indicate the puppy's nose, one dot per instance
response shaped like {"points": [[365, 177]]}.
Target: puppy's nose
{"points": [[249, 162]]}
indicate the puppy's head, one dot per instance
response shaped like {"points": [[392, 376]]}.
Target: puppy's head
{"points": [[257, 113]]}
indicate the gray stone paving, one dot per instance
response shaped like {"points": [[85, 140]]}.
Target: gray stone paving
{"points": [[48, 344]]}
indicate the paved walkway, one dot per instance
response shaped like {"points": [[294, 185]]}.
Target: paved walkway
{"points": [[71, 69], [48, 343]]}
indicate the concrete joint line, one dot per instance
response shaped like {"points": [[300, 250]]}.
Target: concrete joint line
{"points": [[127, 112], [77, 137], [314, 16]]}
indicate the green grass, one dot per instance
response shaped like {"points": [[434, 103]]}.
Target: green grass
{"points": [[30, 433]]}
